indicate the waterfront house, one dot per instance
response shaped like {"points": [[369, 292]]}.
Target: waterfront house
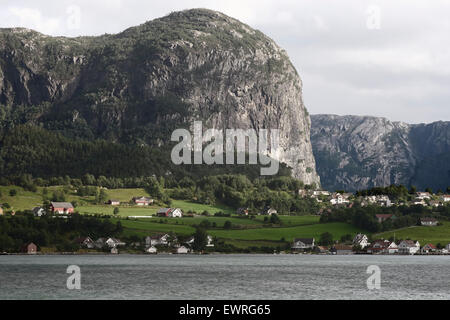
{"points": [[151, 250], [113, 202], [61, 208], [182, 250], [383, 217], [321, 250], [161, 239], [361, 240], [300, 244], [408, 247], [341, 249], [382, 247], [428, 248], [209, 239], [142, 201], [29, 248], [114, 242], [86, 242], [429, 222]]}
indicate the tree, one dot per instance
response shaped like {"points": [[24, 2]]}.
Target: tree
{"points": [[227, 225], [116, 211], [274, 219], [13, 192], [429, 190], [200, 240], [326, 239]]}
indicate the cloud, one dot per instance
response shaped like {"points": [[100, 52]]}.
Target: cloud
{"points": [[33, 19]]}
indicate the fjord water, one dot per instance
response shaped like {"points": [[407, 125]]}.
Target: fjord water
{"points": [[245, 277]]}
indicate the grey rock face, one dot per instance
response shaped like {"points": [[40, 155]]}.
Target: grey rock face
{"points": [[354, 152], [190, 65]]}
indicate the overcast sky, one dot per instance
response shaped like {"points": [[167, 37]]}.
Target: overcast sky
{"points": [[383, 58]]}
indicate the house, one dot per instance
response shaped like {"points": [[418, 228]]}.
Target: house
{"points": [[447, 247], [142, 201], [446, 198], [1, 211], [383, 217], [268, 211], [151, 250], [317, 193], [209, 243], [182, 250], [423, 195], [61, 207], [382, 247], [86, 242], [341, 249], [419, 202], [321, 250], [429, 222], [428, 248], [176, 213], [408, 247], [113, 242], [113, 202], [162, 239], [242, 211], [361, 240], [303, 244], [38, 211], [163, 212], [338, 198], [29, 248]]}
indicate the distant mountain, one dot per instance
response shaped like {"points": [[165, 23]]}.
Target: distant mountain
{"points": [[134, 88], [358, 152]]}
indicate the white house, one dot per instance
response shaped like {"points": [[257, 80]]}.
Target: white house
{"points": [[361, 240], [157, 240], [210, 243], [182, 250], [382, 247], [303, 244], [429, 222], [38, 211], [176, 213], [428, 248], [408, 247], [338, 199], [446, 197], [151, 250], [113, 242], [423, 195]]}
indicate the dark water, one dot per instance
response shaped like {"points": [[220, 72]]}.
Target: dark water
{"points": [[225, 277]]}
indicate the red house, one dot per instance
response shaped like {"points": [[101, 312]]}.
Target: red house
{"points": [[29, 248], [163, 212], [61, 208]]}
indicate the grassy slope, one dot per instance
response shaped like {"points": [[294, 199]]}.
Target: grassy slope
{"points": [[424, 235]]}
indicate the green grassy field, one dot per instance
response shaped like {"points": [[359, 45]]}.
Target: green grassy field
{"points": [[434, 235], [275, 234], [199, 208]]}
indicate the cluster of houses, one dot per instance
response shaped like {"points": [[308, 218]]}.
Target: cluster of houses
{"points": [[337, 198], [361, 244], [151, 244], [266, 211]]}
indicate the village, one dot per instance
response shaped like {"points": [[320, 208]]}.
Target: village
{"points": [[169, 243]]}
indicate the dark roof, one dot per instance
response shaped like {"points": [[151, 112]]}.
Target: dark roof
{"points": [[305, 240], [66, 205]]}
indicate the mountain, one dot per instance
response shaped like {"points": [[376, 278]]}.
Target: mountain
{"points": [[134, 88], [358, 152]]}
